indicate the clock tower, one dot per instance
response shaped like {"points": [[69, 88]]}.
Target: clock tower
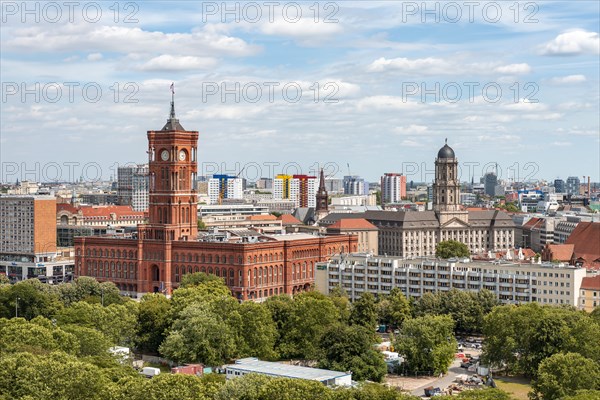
{"points": [[173, 165]]}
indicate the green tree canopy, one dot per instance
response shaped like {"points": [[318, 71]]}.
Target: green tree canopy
{"points": [[153, 320], [364, 311], [350, 348], [427, 343], [564, 374], [451, 248]]}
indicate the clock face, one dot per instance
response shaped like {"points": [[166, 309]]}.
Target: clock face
{"points": [[182, 155], [164, 155]]}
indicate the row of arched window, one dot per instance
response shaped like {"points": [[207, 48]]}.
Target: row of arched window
{"points": [[112, 253], [111, 270]]}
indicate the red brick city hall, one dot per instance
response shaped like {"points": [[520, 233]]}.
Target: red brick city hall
{"points": [[254, 266]]}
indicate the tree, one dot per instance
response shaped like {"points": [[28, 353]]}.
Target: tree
{"points": [[258, 331], [464, 308], [261, 387], [91, 341], [30, 298], [201, 225], [584, 395], [36, 336], [428, 304], [364, 311], [451, 249], [394, 308], [427, 343], [117, 322], [564, 374], [350, 348], [309, 316], [200, 335], [54, 376], [153, 320], [520, 338]]}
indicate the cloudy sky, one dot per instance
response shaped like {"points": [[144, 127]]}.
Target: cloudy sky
{"points": [[286, 86]]}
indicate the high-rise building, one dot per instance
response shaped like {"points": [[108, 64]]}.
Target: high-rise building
{"points": [[264, 183], [334, 185], [393, 188], [559, 186], [490, 181], [302, 189], [132, 186], [28, 239], [27, 227], [222, 187], [355, 185], [573, 186]]}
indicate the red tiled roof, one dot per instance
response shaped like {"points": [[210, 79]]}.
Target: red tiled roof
{"points": [[101, 212], [561, 252], [591, 282], [66, 207], [532, 223], [352, 223], [288, 219], [528, 253], [586, 239]]}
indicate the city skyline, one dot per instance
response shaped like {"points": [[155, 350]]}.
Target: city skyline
{"points": [[371, 58]]}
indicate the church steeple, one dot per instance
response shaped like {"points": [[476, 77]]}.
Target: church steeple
{"points": [[322, 196]]}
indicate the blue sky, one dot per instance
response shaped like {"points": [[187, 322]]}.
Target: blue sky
{"points": [[374, 59]]}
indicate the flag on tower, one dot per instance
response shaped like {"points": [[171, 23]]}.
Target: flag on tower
{"points": [[173, 87]]}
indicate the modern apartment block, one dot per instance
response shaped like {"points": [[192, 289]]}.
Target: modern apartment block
{"points": [[393, 188], [573, 186], [513, 283], [132, 186], [222, 187], [355, 185], [28, 239], [302, 189]]}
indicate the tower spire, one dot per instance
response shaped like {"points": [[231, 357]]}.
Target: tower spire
{"points": [[172, 122], [172, 115]]}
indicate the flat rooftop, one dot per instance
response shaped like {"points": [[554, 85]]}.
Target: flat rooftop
{"points": [[284, 370]]}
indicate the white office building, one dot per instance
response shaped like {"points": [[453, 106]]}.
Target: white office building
{"points": [[512, 282]]}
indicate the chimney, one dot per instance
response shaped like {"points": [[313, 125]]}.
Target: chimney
{"points": [[589, 188]]}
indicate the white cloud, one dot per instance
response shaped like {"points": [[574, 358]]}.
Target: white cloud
{"points": [[411, 129], [568, 79], [166, 62], [561, 144], [207, 41], [304, 28], [514, 69], [94, 57], [573, 43], [385, 103], [440, 66]]}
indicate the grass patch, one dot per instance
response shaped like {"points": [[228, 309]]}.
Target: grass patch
{"points": [[517, 387]]}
